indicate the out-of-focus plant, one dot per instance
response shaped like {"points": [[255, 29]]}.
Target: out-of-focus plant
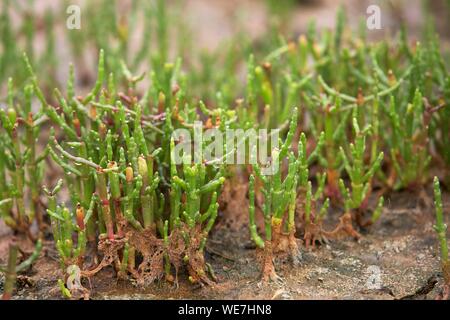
{"points": [[20, 164], [441, 230], [360, 175]]}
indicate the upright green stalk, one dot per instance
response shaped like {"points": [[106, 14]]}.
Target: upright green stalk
{"points": [[440, 227], [10, 272]]}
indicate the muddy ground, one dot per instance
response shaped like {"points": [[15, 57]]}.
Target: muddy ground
{"points": [[402, 246]]}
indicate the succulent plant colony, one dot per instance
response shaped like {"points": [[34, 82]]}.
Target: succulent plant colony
{"points": [[368, 118]]}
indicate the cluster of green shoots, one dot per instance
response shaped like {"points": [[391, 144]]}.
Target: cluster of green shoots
{"points": [[368, 118]]}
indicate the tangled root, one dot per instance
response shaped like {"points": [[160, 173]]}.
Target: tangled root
{"points": [[294, 249], [445, 295], [197, 269], [285, 243], [313, 231], [425, 199]]}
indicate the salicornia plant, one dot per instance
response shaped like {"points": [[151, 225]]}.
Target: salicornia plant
{"points": [[12, 269], [280, 196], [360, 175], [21, 164], [441, 230]]}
